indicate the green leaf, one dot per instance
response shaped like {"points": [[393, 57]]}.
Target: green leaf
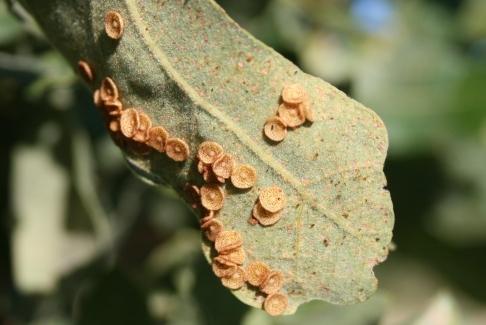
{"points": [[39, 187], [198, 74], [473, 19], [460, 216], [10, 28], [44, 251], [443, 309]]}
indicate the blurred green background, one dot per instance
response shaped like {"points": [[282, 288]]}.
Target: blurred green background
{"points": [[82, 241]]}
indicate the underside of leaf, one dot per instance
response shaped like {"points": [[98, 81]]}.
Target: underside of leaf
{"points": [[195, 72]]}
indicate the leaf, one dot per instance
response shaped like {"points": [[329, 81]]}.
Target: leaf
{"points": [[442, 310], [198, 74], [10, 29], [44, 251], [177, 250], [39, 190], [460, 216], [473, 19]]}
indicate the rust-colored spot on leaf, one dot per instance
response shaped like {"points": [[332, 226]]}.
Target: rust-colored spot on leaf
{"points": [[272, 198], [243, 176], [144, 125], [97, 99], [273, 283], [114, 25], [222, 267], [209, 151], [275, 304], [177, 149], [212, 228], [227, 240], [308, 111], [292, 116], [114, 125], [275, 129], [108, 89], [223, 166], [212, 197], [85, 70], [256, 273], [264, 217], [129, 122], [236, 255], [293, 94], [235, 280], [157, 138], [113, 107]]}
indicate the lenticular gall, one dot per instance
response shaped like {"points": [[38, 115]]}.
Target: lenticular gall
{"points": [[243, 176], [108, 89], [143, 126], [222, 268], [212, 228], [293, 94], [113, 107], [97, 99], [256, 273], [212, 197], [275, 304], [264, 217], [235, 280], [85, 70], [177, 149], [209, 151], [114, 25], [157, 138], [223, 166], [272, 199], [236, 255], [129, 122], [275, 129], [227, 240], [292, 116], [273, 283]]}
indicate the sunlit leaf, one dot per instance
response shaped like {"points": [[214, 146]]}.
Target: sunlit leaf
{"points": [[195, 72]]}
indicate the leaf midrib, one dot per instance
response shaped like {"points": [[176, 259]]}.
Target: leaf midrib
{"points": [[246, 140]]}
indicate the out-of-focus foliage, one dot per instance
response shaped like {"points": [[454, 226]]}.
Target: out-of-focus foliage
{"points": [[83, 241]]}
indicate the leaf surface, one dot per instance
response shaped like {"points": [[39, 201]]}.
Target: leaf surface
{"points": [[197, 73]]}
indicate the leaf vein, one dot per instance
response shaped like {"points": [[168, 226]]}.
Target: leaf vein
{"points": [[279, 169]]}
